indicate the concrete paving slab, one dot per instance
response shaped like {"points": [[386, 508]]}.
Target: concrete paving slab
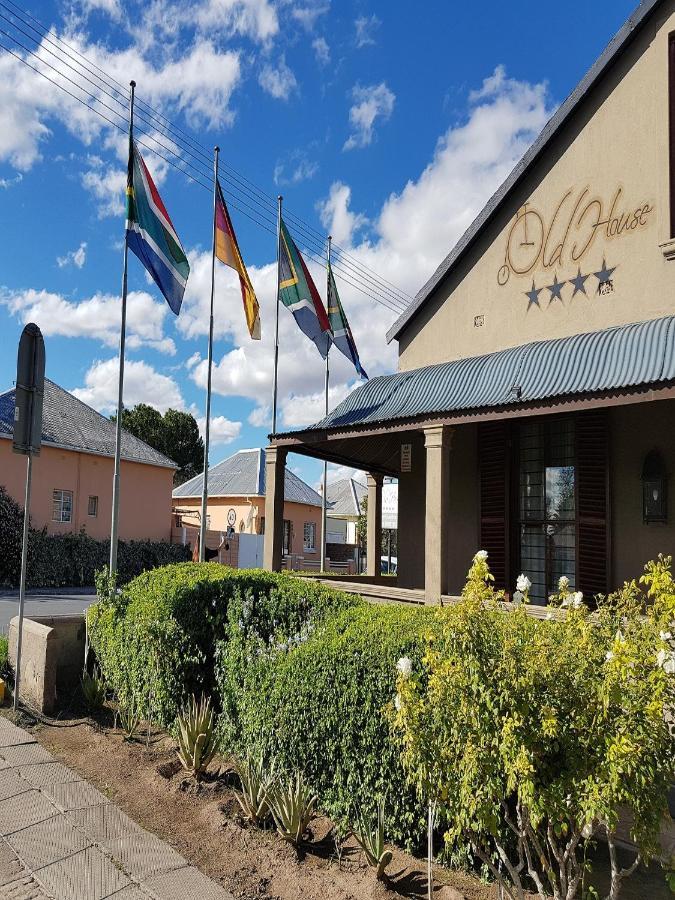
{"points": [[46, 773], [132, 892], [104, 824], [33, 807], [11, 736], [144, 855], [25, 754], [11, 784], [88, 875], [24, 888], [47, 842], [75, 795], [185, 884]]}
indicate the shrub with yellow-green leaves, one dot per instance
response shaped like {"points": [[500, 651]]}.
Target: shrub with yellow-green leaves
{"points": [[534, 735]]}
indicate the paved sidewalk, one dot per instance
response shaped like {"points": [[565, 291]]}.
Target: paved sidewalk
{"points": [[62, 839]]}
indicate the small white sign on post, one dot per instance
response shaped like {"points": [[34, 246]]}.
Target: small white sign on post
{"points": [[406, 457]]}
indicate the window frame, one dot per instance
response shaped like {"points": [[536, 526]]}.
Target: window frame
{"points": [[91, 514], [60, 501], [309, 548]]}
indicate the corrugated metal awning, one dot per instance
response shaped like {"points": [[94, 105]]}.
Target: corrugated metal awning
{"points": [[624, 356]]}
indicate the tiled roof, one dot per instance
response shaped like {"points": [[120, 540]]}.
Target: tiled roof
{"points": [[345, 497], [561, 117], [243, 475], [70, 423], [625, 356]]}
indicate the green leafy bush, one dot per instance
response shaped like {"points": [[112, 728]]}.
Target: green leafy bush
{"points": [[71, 559], [4, 655], [316, 699], [156, 640], [534, 735]]}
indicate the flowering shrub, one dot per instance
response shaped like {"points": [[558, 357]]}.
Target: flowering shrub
{"points": [[533, 735]]}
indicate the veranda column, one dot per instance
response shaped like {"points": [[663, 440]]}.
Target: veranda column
{"points": [[374, 539], [275, 467], [437, 441]]}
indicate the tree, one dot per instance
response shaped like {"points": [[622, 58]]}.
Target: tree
{"points": [[175, 434]]}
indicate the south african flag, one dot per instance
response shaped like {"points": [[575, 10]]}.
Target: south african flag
{"points": [[151, 235]]}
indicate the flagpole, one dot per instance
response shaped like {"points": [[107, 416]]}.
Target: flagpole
{"points": [[324, 497], [120, 388], [276, 327], [207, 425]]}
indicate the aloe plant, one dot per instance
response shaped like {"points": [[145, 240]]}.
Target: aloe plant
{"points": [[93, 690], [292, 805], [129, 720], [371, 840], [256, 784], [197, 742]]}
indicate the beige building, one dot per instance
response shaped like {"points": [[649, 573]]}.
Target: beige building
{"points": [[236, 503], [73, 475], [533, 413]]}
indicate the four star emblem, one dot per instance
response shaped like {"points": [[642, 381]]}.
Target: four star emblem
{"points": [[578, 283]]}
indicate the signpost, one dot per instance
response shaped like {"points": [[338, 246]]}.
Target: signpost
{"points": [[29, 394]]}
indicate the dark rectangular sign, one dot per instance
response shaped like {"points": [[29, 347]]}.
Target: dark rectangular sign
{"points": [[30, 386]]}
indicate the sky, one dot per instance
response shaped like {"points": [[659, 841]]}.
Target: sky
{"points": [[386, 129]]}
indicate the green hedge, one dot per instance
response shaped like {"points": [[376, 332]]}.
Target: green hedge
{"points": [[319, 700], [71, 559], [156, 640]]}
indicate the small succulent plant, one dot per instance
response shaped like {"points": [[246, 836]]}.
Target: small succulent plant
{"points": [[129, 719], [256, 784], [292, 804], [93, 690], [197, 743], [370, 837]]}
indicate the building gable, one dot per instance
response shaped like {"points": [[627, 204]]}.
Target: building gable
{"points": [[579, 238]]}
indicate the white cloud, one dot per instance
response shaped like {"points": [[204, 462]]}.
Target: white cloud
{"points": [[297, 168], [261, 417], [97, 317], [305, 409], [336, 216], [10, 182], [321, 50], [308, 13], [142, 384], [76, 258], [110, 7], [278, 81], [222, 431], [370, 103], [365, 26], [256, 19]]}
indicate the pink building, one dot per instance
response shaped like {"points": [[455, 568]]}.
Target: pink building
{"points": [[72, 477]]}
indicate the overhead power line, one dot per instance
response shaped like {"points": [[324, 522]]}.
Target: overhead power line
{"points": [[182, 151]]}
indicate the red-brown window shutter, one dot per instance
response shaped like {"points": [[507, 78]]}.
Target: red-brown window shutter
{"points": [[593, 551], [494, 463]]}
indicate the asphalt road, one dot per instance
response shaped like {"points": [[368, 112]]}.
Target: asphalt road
{"points": [[45, 603]]}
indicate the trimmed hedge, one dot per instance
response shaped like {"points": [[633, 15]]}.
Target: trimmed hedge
{"points": [[156, 640], [71, 559], [320, 700]]}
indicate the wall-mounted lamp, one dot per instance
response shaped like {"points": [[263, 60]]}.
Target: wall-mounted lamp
{"points": [[654, 489]]}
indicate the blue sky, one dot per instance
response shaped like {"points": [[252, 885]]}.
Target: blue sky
{"points": [[388, 129]]}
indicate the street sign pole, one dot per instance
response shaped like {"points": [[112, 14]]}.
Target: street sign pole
{"points": [[29, 394]]}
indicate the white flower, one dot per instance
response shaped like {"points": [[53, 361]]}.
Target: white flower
{"points": [[665, 635], [563, 584], [549, 616], [397, 702], [661, 657], [482, 555], [669, 665], [587, 830], [566, 602], [609, 656], [404, 666], [523, 584], [577, 600], [517, 598]]}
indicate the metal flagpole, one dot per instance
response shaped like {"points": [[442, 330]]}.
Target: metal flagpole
{"points": [[120, 391], [207, 428], [276, 328], [325, 465]]}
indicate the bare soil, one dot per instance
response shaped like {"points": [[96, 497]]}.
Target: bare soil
{"points": [[202, 822]]}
